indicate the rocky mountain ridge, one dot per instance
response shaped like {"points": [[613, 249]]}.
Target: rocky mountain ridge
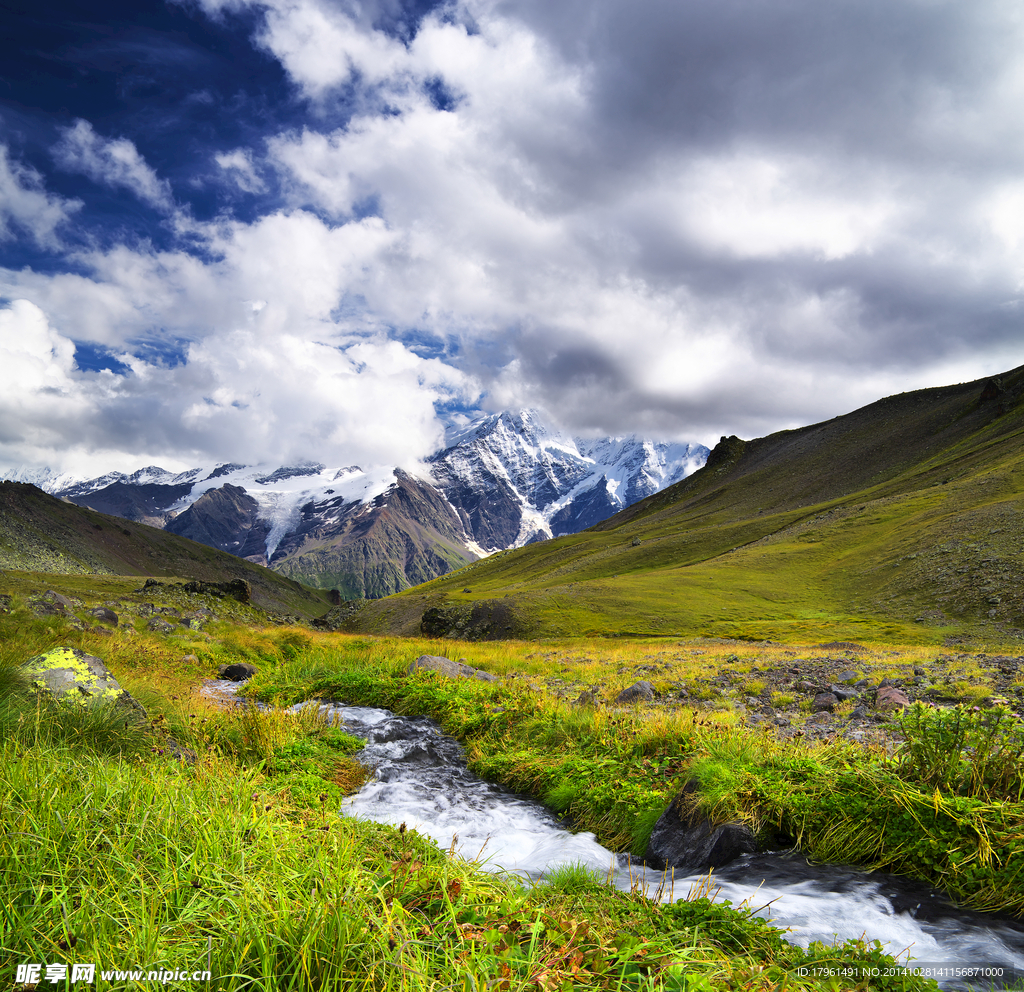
{"points": [[500, 482]]}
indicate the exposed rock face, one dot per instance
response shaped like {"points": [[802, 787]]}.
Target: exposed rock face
{"points": [[134, 498], [691, 843], [227, 519], [515, 480], [71, 675], [406, 535], [484, 620], [236, 588], [638, 692], [450, 669]]}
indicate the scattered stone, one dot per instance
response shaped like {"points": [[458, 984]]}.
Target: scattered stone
{"points": [[239, 671], [158, 626], [53, 604], [824, 701], [821, 717], [690, 843], [804, 687], [104, 615], [860, 713], [920, 671], [587, 698], [638, 692], [889, 699], [71, 675], [57, 600], [843, 695], [448, 668], [194, 619], [848, 676]]}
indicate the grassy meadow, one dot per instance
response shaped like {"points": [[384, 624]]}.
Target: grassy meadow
{"points": [[115, 851]]}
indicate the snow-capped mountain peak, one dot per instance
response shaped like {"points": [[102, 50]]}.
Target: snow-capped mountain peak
{"points": [[502, 481]]}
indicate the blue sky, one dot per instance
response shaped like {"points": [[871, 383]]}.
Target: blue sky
{"points": [[312, 229]]}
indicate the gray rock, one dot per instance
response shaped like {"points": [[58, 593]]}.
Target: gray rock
{"points": [[638, 692], [448, 668], [158, 626], [822, 717], [104, 615], [804, 686], [860, 713], [842, 694], [824, 701], [848, 676], [691, 843], [239, 671]]}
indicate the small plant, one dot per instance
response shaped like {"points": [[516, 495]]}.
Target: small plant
{"points": [[964, 750]]}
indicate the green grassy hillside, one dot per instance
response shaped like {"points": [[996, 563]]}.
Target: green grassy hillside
{"points": [[39, 533], [900, 521]]}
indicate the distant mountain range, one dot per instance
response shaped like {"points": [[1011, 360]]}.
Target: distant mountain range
{"points": [[500, 482]]}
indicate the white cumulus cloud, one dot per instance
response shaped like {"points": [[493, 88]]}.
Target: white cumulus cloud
{"points": [[113, 162]]}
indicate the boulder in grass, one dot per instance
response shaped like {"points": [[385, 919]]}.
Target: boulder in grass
{"points": [[71, 675], [104, 615], [638, 692], [239, 671], [450, 669], [824, 701]]}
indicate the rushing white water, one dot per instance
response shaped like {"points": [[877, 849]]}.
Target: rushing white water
{"points": [[420, 779]]}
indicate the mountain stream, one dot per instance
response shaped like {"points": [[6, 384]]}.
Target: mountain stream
{"points": [[421, 779]]}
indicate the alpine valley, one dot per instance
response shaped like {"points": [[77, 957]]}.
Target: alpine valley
{"points": [[500, 482]]}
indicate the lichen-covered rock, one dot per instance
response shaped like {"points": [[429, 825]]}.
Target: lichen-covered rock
{"points": [[71, 675], [450, 669]]}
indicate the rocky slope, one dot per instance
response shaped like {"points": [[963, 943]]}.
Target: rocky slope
{"points": [[39, 533]]}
